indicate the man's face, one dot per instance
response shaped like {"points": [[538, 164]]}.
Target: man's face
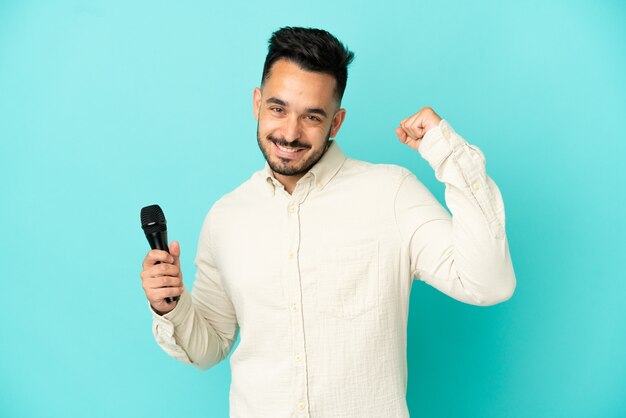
{"points": [[297, 113]]}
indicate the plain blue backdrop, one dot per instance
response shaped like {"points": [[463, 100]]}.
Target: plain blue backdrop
{"points": [[108, 106]]}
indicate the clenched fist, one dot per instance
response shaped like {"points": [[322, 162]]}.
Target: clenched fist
{"points": [[164, 279], [412, 129]]}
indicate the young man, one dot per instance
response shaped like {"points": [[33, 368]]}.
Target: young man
{"points": [[312, 259]]}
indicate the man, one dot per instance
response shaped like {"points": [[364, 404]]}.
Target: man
{"points": [[312, 259]]}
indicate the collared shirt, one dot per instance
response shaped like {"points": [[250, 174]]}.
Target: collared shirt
{"points": [[317, 282]]}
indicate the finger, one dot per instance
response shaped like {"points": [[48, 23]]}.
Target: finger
{"points": [[407, 122], [159, 282], [416, 119], [156, 296], [403, 124], [162, 269], [156, 256], [416, 131], [425, 120], [414, 142], [411, 127], [175, 252]]}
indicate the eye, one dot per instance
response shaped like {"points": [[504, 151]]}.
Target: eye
{"points": [[276, 109], [313, 118]]}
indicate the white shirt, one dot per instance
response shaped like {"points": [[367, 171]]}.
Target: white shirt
{"points": [[317, 283]]}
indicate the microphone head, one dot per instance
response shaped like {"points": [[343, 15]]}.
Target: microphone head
{"points": [[153, 219]]}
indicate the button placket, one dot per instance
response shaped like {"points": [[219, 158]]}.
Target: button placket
{"points": [[292, 278]]}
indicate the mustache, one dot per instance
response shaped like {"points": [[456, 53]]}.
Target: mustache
{"points": [[283, 143]]}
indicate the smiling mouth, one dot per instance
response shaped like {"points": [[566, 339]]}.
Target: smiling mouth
{"points": [[286, 151]]}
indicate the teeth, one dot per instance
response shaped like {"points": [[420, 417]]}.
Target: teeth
{"points": [[287, 149]]}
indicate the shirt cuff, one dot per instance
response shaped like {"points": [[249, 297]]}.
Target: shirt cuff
{"points": [[163, 328], [438, 143], [177, 315]]}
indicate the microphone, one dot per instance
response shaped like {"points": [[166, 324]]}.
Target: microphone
{"points": [[154, 226]]}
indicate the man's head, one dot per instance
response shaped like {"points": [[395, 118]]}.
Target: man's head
{"points": [[298, 103], [313, 50]]}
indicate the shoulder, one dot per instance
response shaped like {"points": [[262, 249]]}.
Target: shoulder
{"points": [[382, 175], [244, 195]]}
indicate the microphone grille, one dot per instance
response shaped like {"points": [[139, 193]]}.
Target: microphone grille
{"points": [[153, 219]]}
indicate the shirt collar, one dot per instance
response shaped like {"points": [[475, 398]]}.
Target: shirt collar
{"points": [[322, 172]]}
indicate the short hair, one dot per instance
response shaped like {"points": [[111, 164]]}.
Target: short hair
{"points": [[312, 50]]}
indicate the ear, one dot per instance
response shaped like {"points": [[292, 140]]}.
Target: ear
{"points": [[337, 121], [256, 102]]}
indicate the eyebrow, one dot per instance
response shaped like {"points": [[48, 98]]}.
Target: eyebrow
{"points": [[316, 110]]}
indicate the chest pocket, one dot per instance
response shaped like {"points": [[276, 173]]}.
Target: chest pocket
{"points": [[347, 280]]}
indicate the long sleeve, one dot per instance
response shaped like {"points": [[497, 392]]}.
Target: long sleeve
{"points": [[202, 328], [466, 255]]}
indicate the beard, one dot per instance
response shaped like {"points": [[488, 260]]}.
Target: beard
{"points": [[285, 166]]}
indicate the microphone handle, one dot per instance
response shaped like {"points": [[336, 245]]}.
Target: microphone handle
{"points": [[158, 241]]}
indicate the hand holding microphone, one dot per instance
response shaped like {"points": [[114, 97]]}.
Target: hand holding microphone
{"points": [[162, 279]]}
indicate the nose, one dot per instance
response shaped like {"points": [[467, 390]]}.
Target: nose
{"points": [[291, 129]]}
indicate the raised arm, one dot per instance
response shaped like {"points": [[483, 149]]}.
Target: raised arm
{"points": [[466, 255]]}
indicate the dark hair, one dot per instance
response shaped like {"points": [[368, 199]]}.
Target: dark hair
{"points": [[312, 50]]}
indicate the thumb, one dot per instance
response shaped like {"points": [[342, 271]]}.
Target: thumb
{"points": [[401, 134], [175, 252], [406, 139]]}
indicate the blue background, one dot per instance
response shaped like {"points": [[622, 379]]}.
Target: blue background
{"points": [[108, 106]]}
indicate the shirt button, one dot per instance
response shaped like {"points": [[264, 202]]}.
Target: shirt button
{"points": [[292, 208], [294, 307], [475, 186], [301, 405], [297, 357], [319, 185], [291, 254]]}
